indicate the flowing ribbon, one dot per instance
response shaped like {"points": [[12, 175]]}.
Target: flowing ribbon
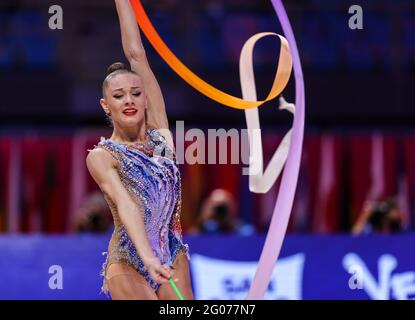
{"points": [[284, 203], [280, 81], [291, 152], [259, 181]]}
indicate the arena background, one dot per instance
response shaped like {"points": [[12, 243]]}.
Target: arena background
{"points": [[359, 146]]}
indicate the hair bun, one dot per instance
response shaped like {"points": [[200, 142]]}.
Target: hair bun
{"points": [[116, 66]]}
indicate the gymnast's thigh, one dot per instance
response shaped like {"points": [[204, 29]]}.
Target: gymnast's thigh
{"points": [[180, 271], [125, 283]]}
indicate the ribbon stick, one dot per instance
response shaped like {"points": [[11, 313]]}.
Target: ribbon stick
{"points": [[176, 290]]}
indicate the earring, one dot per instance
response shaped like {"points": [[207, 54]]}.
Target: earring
{"points": [[108, 119]]}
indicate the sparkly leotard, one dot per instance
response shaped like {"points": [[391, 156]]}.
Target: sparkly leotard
{"points": [[150, 174]]}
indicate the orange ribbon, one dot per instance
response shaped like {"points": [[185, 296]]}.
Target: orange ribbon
{"points": [[280, 81]]}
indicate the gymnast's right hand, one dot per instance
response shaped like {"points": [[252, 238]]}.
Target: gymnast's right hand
{"points": [[160, 273]]}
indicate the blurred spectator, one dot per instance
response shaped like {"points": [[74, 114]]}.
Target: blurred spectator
{"points": [[383, 217], [218, 214], [93, 216]]}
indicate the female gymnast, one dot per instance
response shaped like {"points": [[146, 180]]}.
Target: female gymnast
{"points": [[137, 172]]}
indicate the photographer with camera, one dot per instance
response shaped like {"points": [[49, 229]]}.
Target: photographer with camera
{"points": [[384, 217]]}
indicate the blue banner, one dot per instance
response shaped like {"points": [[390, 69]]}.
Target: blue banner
{"points": [[222, 267]]}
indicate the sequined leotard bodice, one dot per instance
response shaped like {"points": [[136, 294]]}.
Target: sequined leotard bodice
{"points": [[150, 174]]}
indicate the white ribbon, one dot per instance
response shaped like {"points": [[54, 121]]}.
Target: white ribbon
{"points": [[260, 181]]}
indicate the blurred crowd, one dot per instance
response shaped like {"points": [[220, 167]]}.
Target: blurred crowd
{"points": [[218, 215], [379, 217]]}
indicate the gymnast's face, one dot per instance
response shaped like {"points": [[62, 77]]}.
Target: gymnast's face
{"points": [[125, 99]]}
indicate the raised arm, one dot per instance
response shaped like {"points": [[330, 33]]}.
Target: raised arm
{"points": [[136, 55], [102, 167]]}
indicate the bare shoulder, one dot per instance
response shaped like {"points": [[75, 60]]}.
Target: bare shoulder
{"points": [[99, 160], [103, 169]]}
